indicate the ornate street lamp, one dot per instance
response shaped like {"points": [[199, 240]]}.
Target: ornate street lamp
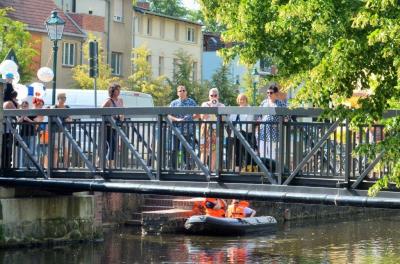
{"points": [[55, 28], [256, 77]]}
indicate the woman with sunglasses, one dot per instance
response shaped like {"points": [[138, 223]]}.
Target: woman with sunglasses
{"points": [[208, 133], [268, 135]]}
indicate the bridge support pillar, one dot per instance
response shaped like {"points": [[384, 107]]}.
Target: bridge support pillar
{"points": [[7, 192], [52, 219]]}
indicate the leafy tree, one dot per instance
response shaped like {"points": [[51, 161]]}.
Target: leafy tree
{"points": [[173, 8], [13, 35], [210, 24], [80, 73], [142, 79], [333, 47], [222, 80], [183, 75]]}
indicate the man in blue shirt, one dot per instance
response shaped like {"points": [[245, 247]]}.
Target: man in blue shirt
{"points": [[185, 126]]}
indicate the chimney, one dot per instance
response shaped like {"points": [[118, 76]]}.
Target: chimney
{"points": [[143, 5]]}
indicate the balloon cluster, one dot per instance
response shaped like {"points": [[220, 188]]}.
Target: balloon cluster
{"points": [[36, 89], [9, 66]]}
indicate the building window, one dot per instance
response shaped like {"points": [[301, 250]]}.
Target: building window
{"points": [[69, 5], [148, 59], [118, 10], [194, 71], [139, 24], [176, 31], [162, 28], [190, 34], [116, 63], [160, 66], [68, 54], [149, 26]]}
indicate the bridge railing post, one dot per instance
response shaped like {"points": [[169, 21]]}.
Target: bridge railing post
{"points": [[219, 147], [102, 145], [159, 140], [3, 84], [280, 159], [348, 149], [50, 147]]}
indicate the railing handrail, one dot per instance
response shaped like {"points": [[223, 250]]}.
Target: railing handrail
{"points": [[229, 110]]}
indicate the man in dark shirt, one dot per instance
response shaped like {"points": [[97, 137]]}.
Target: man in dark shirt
{"points": [[9, 87], [186, 128]]}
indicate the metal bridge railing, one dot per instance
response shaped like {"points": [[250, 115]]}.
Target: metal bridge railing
{"points": [[148, 145]]}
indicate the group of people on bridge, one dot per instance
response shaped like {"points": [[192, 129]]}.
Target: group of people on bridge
{"points": [[30, 130], [35, 134], [263, 140]]}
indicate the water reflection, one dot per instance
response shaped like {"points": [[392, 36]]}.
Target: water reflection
{"points": [[356, 241]]}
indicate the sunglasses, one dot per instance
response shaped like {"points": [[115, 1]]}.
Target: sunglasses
{"points": [[270, 92], [214, 95], [181, 91]]}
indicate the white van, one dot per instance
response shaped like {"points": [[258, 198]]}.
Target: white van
{"points": [[79, 98]]}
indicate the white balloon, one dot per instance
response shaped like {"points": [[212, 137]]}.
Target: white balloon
{"points": [[45, 74], [22, 91], [8, 66], [16, 77], [38, 89]]}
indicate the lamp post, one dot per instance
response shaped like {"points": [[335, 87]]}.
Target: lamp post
{"points": [[55, 28], [256, 77]]}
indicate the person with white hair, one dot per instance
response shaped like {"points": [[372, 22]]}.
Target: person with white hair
{"points": [[208, 133]]}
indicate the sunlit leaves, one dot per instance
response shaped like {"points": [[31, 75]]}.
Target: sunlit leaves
{"points": [[333, 47], [14, 35], [142, 79]]}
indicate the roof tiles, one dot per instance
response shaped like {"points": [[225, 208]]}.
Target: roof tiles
{"points": [[35, 12]]}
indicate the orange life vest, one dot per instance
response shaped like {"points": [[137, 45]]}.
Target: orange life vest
{"points": [[236, 212], [210, 203], [244, 203]]}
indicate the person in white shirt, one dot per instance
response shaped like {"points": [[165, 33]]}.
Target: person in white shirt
{"points": [[208, 133], [245, 124]]}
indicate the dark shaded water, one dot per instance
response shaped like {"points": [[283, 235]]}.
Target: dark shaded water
{"points": [[354, 241]]}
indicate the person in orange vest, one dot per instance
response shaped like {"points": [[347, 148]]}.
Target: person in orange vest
{"points": [[215, 207], [240, 209]]}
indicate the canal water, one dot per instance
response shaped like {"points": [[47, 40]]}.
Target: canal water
{"points": [[374, 240]]}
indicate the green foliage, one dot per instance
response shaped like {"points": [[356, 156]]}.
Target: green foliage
{"points": [[334, 47], [168, 7], [249, 86], [13, 35], [259, 89], [142, 79], [183, 75], [80, 73], [209, 24], [222, 80]]}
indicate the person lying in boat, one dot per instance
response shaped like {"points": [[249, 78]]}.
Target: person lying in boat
{"points": [[215, 207], [240, 209]]}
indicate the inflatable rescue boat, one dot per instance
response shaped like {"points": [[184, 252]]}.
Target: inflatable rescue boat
{"points": [[209, 225]]}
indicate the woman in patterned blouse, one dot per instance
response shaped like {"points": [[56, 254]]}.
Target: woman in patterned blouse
{"points": [[269, 134]]}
